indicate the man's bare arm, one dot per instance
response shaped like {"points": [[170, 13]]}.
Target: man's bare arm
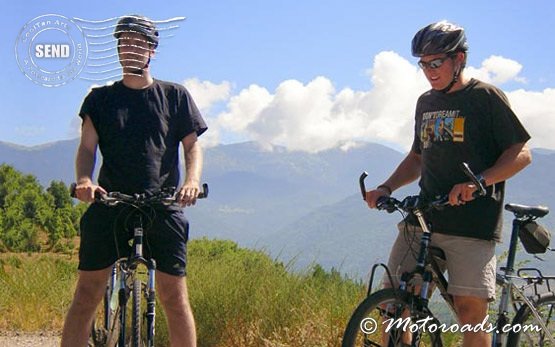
{"points": [[193, 170], [85, 162], [407, 172]]}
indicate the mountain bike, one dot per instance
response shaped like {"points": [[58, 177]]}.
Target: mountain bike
{"points": [[132, 277], [403, 316]]}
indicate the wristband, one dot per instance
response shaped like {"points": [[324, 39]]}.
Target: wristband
{"points": [[386, 187], [482, 180]]}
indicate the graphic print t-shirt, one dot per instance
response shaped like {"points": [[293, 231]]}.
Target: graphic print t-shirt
{"points": [[473, 125], [139, 133]]}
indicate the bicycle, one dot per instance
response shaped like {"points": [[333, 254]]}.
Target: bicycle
{"points": [[126, 282], [410, 306]]}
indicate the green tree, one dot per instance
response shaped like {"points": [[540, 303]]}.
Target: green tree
{"points": [[9, 181], [60, 225], [29, 212], [60, 192]]}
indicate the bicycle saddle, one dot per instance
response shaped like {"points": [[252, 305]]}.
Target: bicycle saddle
{"points": [[534, 211]]}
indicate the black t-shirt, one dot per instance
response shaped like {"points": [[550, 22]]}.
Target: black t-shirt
{"points": [[139, 133], [473, 125]]}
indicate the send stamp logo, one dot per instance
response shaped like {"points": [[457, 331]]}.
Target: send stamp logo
{"points": [[52, 50]]}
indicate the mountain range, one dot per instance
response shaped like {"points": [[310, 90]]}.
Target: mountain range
{"points": [[300, 207]]}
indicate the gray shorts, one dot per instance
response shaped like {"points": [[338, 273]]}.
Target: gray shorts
{"points": [[470, 263]]}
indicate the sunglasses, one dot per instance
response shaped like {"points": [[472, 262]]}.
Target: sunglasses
{"points": [[432, 64]]}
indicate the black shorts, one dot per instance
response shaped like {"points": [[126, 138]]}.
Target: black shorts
{"points": [[106, 233]]}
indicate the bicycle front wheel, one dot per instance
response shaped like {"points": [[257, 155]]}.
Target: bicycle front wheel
{"points": [[389, 318], [136, 314], [526, 330]]}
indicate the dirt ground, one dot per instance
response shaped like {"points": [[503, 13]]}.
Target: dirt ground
{"points": [[14, 339]]}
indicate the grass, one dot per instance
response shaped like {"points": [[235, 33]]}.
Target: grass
{"points": [[240, 297], [36, 291], [246, 299]]}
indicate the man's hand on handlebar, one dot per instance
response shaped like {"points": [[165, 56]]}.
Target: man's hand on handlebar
{"points": [[188, 194], [372, 196], [85, 190], [461, 193]]}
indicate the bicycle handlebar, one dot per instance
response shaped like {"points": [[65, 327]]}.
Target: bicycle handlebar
{"points": [[166, 196], [410, 203]]}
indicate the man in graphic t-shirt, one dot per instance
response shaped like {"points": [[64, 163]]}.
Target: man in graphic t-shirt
{"points": [[139, 124], [458, 120]]}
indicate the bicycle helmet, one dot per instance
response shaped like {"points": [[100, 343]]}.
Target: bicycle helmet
{"points": [[137, 24], [437, 38]]}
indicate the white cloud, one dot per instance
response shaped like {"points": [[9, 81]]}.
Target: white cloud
{"points": [[315, 116], [244, 108], [497, 70], [206, 93], [535, 110]]}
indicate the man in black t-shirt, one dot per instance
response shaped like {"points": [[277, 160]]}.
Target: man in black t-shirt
{"points": [[139, 124], [458, 120]]}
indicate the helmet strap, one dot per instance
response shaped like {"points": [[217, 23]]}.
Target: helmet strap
{"points": [[456, 74], [140, 71]]}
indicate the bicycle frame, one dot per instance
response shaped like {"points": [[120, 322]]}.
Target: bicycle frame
{"points": [[127, 269], [512, 293]]}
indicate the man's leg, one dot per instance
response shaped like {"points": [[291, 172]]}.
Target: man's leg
{"points": [[401, 258], [471, 264], [90, 290], [472, 310], [172, 292]]}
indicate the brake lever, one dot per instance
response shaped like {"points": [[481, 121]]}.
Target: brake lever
{"points": [[480, 189], [386, 203]]}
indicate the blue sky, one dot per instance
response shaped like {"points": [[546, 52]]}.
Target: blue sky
{"points": [[308, 75]]}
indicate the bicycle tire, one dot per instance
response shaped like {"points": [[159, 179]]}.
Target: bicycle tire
{"points": [[371, 309], [103, 335], [545, 305], [136, 314]]}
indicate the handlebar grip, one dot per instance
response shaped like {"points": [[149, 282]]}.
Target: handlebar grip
{"points": [[362, 185], [72, 189], [204, 193]]}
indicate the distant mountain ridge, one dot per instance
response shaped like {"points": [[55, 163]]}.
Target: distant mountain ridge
{"points": [[51, 161], [297, 205]]}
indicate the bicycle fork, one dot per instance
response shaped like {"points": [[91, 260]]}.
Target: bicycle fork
{"points": [[150, 302], [427, 277], [123, 295]]}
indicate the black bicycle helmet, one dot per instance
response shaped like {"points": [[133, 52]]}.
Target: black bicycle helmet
{"points": [[438, 38], [137, 24]]}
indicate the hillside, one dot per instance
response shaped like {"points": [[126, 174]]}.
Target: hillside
{"points": [[294, 204]]}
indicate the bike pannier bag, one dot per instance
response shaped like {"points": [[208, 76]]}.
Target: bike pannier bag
{"points": [[534, 237]]}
